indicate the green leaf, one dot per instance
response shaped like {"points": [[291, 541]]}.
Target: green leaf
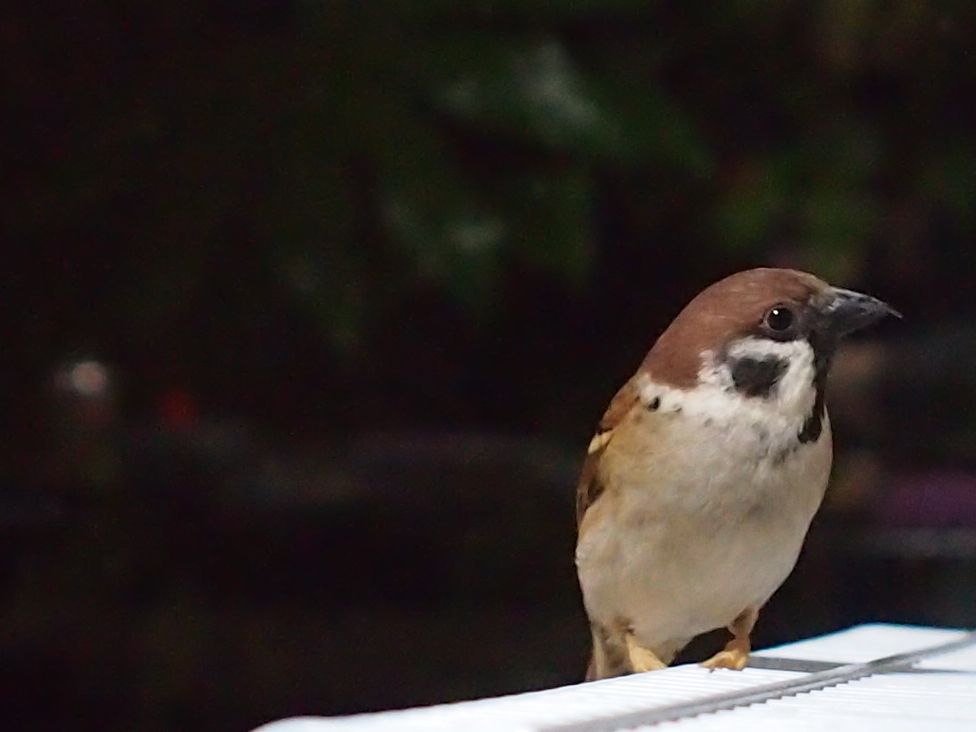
{"points": [[532, 89]]}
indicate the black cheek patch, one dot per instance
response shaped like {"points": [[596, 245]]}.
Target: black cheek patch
{"points": [[757, 377]]}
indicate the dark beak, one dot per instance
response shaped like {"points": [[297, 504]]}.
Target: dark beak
{"points": [[846, 311]]}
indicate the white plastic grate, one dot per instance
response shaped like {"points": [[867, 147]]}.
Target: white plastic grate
{"points": [[901, 692]]}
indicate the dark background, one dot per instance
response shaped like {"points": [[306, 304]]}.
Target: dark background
{"points": [[309, 309]]}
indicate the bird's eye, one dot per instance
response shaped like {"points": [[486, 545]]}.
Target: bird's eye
{"points": [[780, 319]]}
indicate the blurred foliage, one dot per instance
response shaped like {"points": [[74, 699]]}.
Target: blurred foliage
{"points": [[218, 198], [341, 157]]}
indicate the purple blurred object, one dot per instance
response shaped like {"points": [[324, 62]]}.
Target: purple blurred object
{"points": [[936, 499]]}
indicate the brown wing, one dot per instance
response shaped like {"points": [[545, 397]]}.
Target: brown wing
{"points": [[590, 487]]}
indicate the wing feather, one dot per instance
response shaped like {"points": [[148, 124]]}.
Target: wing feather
{"points": [[590, 486]]}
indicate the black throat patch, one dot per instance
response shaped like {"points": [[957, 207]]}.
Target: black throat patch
{"points": [[823, 353], [756, 377]]}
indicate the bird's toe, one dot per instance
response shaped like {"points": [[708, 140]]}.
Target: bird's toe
{"points": [[734, 658]]}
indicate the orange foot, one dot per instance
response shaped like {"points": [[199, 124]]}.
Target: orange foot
{"points": [[641, 659], [734, 656]]}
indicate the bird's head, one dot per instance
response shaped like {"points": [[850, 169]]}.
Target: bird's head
{"points": [[763, 334]]}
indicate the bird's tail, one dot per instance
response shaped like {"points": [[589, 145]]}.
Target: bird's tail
{"points": [[609, 656]]}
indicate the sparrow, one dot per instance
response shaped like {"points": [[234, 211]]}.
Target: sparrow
{"points": [[708, 466]]}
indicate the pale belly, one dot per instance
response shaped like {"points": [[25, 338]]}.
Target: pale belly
{"points": [[682, 556], [680, 580]]}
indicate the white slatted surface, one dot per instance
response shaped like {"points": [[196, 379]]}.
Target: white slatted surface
{"points": [[864, 643], [937, 692], [892, 702]]}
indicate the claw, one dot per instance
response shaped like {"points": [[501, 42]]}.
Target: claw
{"points": [[734, 657]]}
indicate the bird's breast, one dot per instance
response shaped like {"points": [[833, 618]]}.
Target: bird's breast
{"points": [[703, 519]]}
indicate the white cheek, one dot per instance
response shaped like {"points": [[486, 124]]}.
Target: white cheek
{"points": [[794, 394], [776, 418]]}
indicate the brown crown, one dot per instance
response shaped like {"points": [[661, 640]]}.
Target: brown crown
{"points": [[731, 308]]}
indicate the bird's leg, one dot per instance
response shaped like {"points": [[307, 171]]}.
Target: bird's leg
{"points": [[735, 655], [641, 659]]}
